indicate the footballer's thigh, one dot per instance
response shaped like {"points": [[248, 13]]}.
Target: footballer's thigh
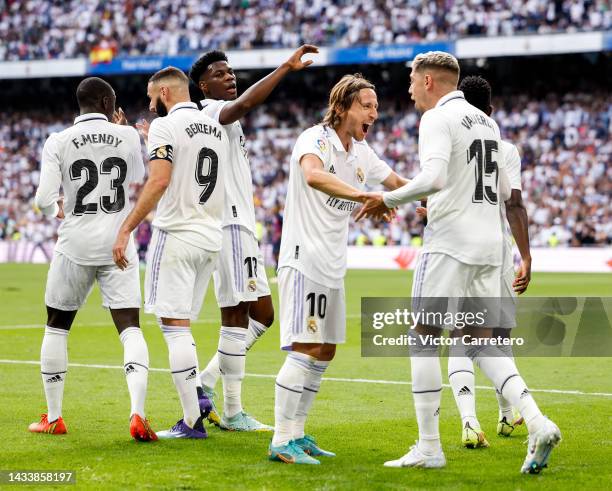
{"points": [[68, 283], [120, 289], [239, 268], [310, 312], [170, 276]]}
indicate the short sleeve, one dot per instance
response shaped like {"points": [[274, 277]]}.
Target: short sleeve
{"points": [[435, 138], [313, 141], [161, 141], [212, 109], [138, 169], [378, 170], [513, 166]]}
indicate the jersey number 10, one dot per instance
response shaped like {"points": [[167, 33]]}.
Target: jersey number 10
{"points": [[108, 204], [485, 168]]}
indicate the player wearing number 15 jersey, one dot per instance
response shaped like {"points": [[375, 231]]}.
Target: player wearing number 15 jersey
{"points": [[187, 152], [94, 161]]}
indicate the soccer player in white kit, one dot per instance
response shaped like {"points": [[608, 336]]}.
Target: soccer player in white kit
{"points": [[330, 165], [459, 149], [241, 285], [477, 92], [94, 162], [187, 152]]}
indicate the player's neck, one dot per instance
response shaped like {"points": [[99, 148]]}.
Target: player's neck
{"points": [[439, 94], [178, 101], [90, 110], [345, 138]]}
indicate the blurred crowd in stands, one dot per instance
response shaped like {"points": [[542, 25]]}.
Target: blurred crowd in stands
{"points": [[565, 143], [43, 29]]}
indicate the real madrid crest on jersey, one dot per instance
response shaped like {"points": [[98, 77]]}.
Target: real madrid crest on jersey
{"points": [[163, 153], [360, 175], [312, 325], [252, 286]]}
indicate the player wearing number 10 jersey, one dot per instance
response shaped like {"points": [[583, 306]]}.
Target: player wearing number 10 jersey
{"points": [[187, 150], [94, 161]]}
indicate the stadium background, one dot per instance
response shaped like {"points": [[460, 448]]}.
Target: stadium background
{"points": [[549, 66]]}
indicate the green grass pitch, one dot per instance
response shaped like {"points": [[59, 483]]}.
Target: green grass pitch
{"points": [[365, 422]]}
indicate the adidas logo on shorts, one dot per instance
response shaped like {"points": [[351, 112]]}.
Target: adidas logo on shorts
{"points": [[464, 391]]}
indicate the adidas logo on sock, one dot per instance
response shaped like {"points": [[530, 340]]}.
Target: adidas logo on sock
{"points": [[55, 378], [332, 170], [129, 369], [464, 391], [191, 375], [525, 393]]}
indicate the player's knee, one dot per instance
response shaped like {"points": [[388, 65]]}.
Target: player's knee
{"points": [[327, 352], [421, 345], [60, 319], [267, 318], [124, 318], [236, 316]]}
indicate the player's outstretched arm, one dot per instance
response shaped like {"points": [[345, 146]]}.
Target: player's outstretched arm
{"points": [[159, 179], [317, 178], [258, 92], [519, 225], [431, 179]]}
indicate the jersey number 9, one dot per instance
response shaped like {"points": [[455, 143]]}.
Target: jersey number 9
{"points": [[207, 161]]}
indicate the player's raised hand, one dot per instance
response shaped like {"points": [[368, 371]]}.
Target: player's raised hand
{"points": [[295, 63], [374, 207], [421, 211], [523, 277], [143, 129], [119, 117], [119, 249]]}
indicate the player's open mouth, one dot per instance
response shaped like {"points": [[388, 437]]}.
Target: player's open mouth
{"points": [[365, 127]]}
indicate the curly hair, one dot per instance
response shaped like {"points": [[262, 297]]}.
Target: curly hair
{"points": [[477, 92], [202, 64], [342, 96]]}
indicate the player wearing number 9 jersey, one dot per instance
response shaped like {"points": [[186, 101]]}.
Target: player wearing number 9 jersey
{"points": [[187, 152], [94, 161]]}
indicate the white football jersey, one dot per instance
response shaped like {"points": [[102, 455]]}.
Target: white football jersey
{"points": [[239, 207], [94, 161], [315, 225], [191, 208], [512, 160], [464, 219]]}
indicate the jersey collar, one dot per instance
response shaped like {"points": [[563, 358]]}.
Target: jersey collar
{"points": [[90, 117], [335, 139], [183, 105], [455, 94]]}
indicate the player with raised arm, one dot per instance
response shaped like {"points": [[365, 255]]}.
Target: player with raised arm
{"points": [[330, 165], [241, 285], [186, 182], [477, 92], [94, 161], [462, 251]]}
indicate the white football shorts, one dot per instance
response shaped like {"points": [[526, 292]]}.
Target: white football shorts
{"points": [[309, 312], [177, 276], [69, 284], [440, 275], [241, 273]]}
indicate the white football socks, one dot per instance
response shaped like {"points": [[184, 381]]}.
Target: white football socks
{"points": [[461, 379], [232, 352], [136, 366], [288, 393], [183, 365], [502, 371], [312, 383], [53, 368], [505, 408], [210, 375]]}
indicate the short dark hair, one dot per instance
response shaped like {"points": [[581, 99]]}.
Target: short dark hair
{"points": [[477, 92], [169, 72], [202, 64], [91, 91]]}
